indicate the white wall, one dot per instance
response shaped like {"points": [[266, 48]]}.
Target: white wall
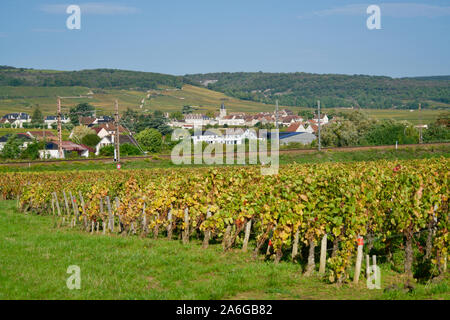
{"points": [[49, 154]]}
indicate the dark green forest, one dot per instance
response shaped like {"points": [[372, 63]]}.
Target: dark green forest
{"points": [[304, 89], [97, 78]]}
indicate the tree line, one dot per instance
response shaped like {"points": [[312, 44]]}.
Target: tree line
{"points": [[97, 78], [357, 129], [334, 90]]}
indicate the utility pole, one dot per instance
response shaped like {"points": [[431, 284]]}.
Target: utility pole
{"points": [[318, 120], [117, 142], [276, 114], [61, 154], [420, 124], [43, 135]]}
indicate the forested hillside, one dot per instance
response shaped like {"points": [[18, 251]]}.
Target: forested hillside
{"points": [[303, 89], [291, 89], [98, 78]]}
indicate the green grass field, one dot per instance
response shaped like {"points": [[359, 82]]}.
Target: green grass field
{"points": [[424, 152], [35, 257], [425, 115], [24, 99]]}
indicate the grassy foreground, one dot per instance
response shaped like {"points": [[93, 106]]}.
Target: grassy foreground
{"points": [[35, 257]]}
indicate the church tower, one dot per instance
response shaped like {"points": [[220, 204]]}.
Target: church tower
{"points": [[223, 111]]}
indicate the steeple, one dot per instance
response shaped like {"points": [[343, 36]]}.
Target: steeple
{"points": [[223, 111]]}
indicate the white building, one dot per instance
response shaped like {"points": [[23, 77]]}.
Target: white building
{"points": [[51, 150], [230, 137], [49, 154], [16, 119], [229, 120], [49, 120], [101, 132], [296, 127], [232, 120], [197, 119], [109, 140], [323, 119]]}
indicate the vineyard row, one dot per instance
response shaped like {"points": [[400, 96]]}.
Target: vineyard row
{"points": [[281, 214]]}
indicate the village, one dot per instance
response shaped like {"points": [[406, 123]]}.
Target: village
{"points": [[224, 128]]}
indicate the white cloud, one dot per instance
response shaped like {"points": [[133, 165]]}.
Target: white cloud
{"points": [[397, 10], [3, 35], [97, 8]]}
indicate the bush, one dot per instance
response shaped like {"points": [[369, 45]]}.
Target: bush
{"points": [[150, 139], [436, 133], [11, 150], [107, 151], [90, 140], [32, 151], [388, 132], [129, 150]]}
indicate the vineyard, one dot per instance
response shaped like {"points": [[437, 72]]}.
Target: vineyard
{"points": [[280, 216]]}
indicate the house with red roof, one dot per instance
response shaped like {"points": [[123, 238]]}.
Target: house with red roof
{"points": [[51, 150], [296, 127]]}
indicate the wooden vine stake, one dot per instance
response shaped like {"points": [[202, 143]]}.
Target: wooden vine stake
{"points": [[120, 217], [53, 204], [75, 209], [226, 237], [144, 222], [53, 210], [374, 262], [102, 215], [248, 229], [295, 245], [57, 204], [186, 226], [83, 208], [323, 254], [66, 203], [110, 215], [169, 226], [207, 232], [367, 266], [359, 257], [311, 263]]}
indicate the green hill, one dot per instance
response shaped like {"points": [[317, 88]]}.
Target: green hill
{"points": [[334, 90], [24, 99], [21, 90]]}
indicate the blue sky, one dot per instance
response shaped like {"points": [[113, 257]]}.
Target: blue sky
{"points": [[199, 36]]}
